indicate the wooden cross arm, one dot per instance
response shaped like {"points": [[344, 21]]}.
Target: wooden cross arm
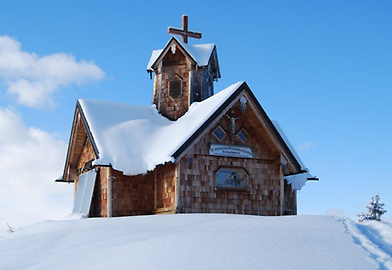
{"points": [[176, 31]]}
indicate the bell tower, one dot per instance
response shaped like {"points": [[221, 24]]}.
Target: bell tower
{"points": [[183, 73]]}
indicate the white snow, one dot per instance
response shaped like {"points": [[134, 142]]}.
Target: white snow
{"points": [[200, 241], [297, 181], [135, 139], [289, 145], [200, 53], [376, 238], [154, 56]]}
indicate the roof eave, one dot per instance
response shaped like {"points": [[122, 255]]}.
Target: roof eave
{"points": [[88, 130]]}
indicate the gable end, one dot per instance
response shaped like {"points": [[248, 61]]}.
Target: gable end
{"points": [[206, 124]]}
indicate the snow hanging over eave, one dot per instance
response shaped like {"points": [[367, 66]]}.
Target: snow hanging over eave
{"points": [[135, 139], [298, 181], [200, 53]]}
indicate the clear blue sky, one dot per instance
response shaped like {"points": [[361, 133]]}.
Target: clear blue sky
{"points": [[321, 68]]}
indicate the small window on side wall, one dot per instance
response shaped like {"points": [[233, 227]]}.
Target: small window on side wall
{"points": [[219, 133], [175, 86], [232, 178], [243, 135]]}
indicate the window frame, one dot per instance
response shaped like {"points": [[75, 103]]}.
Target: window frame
{"points": [[243, 130], [244, 188], [216, 137], [175, 77]]}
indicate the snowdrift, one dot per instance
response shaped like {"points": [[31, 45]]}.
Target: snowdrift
{"points": [[199, 241]]}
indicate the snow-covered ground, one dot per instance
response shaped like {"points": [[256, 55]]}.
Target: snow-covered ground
{"points": [[200, 241]]}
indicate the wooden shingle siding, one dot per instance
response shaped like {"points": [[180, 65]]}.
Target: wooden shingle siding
{"points": [[151, 193], [198, 191], [172, 65], [290, 200], [132, 195], [99, 199]]}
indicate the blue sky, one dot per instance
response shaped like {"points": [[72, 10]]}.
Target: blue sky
{"points": [[320, 68]]}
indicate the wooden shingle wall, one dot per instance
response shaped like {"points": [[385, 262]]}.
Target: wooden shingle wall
{"points": [[172, 64], [290, 200], [197, 84], [166, 187], [100, 194], [151, 193], [99, 200], [86, 155], [198, 191], [132, 195]]}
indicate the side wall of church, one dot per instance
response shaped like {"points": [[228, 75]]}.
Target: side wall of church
{"points": [[199, 192], [100, 194], [166, 188], [132, 195], [151, 193], [290, 200], [99, 200]]}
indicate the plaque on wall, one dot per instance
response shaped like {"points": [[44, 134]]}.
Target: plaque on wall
{"points": [[231, 151]]}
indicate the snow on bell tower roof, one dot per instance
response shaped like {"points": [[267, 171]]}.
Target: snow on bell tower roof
{"points": [[199, 53]]}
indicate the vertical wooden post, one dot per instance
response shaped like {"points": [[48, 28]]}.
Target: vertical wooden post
{"points": [[110, 192], [185, 28]]}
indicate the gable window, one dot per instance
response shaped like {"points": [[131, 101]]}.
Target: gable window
{"points": [[232, 178], [243, 135], [175, 86], [219, 133]]}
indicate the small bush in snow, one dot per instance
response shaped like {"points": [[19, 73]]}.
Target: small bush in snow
{"points": [[10, 228], [375, 210]]}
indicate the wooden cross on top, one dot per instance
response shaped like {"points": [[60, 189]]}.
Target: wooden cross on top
{"points": [[184, 31]]}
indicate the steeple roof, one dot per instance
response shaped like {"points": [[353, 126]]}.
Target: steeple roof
{"points": [[199, 53]]}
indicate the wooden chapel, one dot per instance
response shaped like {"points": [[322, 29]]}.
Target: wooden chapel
{"points": [[191, 151]]}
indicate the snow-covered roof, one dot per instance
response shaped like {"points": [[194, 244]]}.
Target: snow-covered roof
{"points": [[134, 139], [297, 181], [200, 53], [291, 147], [113, 123]]}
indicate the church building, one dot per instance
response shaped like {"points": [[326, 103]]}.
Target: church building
{"points": [[191, 151]]}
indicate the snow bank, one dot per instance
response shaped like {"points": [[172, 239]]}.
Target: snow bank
{"points": [[135, 139], [198, 241], [376, 238]]}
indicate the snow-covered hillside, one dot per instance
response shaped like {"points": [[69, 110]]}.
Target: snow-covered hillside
{"points": [[200, 241]]}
